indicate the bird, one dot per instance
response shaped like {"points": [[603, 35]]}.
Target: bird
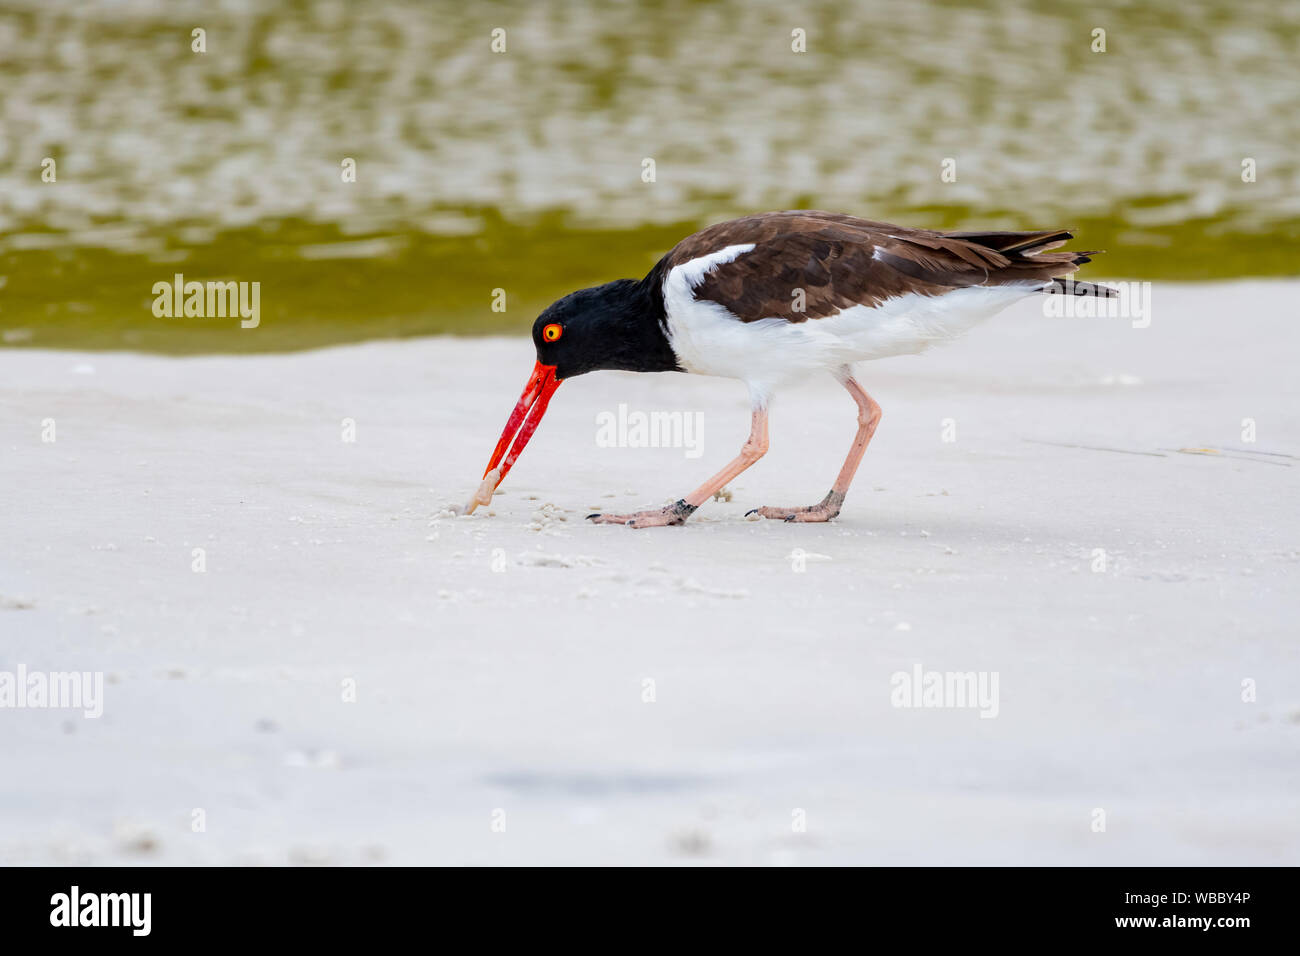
{"points": [[773, 298]]}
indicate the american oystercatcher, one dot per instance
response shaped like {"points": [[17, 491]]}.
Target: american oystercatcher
{"points": [[773, 297]]}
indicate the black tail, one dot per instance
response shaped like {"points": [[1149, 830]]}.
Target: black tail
{"points": [[1074, 287], [1024, 243], [1024, 257]]}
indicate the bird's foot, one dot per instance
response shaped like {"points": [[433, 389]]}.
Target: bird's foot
{"points": [[827, 509], [675, 513]]}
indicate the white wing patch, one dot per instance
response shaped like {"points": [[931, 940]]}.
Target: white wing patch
{"points": [[695, 327], [694, 271]]}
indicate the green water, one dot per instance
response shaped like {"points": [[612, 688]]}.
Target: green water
{"points": [[429, 284], [522, 170]]}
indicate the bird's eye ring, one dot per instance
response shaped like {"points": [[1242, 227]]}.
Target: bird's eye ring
{"points": [[552, 332]]}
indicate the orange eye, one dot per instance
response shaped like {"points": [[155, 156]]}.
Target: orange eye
{"points": [[552, 332]]}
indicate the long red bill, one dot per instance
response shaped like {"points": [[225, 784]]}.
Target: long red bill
{"points": [[519, 429]]}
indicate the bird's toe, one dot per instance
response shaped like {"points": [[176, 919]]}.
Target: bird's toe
{"points": [[813, 515], [782, 514], [674, 514], [801, 514]]}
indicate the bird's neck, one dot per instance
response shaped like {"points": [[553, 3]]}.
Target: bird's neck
{"points": [[634, 326]]}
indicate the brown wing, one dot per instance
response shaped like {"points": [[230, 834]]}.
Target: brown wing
{"points": [[841, 261]]}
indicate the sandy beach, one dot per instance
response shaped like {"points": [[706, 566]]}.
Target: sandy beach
{"points": [[307, 658]]}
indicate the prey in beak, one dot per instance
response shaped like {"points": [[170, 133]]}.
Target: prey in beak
{"points": [[518, 431]]}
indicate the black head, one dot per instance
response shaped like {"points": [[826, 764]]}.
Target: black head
{"points": [[619, 325]]}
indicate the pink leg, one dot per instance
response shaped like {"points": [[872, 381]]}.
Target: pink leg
{"points": [[829, 507], [754, 449]]}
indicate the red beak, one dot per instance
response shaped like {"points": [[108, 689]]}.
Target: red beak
{"points": [[523, 421]]}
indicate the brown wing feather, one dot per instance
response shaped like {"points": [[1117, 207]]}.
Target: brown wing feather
{"points": [[841, 261]]}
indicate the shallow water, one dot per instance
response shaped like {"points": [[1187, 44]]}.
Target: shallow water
{"points": [[523, 170]]}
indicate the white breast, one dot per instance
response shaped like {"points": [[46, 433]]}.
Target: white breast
{"points": [[708, 339]]}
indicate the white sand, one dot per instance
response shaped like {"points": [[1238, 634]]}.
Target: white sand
{"points": [[521, 689]]}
